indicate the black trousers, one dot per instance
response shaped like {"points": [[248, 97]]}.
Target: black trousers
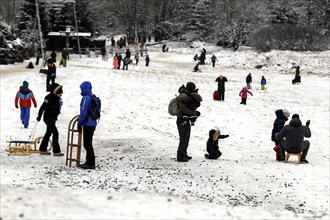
{"points": [[213, 63], [304, 149], [48, 79], [88, 144], [221, 95], [243, 101], [184, 129], [51, 130]]}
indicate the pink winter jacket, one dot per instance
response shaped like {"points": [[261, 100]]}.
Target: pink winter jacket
{"points": [[243, 93]]}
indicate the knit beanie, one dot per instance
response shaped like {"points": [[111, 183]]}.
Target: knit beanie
{"points": [[191, 86], [286, 113], [25, 85], [295, 116]]}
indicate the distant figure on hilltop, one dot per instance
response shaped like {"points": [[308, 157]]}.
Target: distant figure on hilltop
{"points": [[53, 56], [248, 81], [104, 53], [65, 57], [51, 74], [213, 60], [263, 83], [38, 55], [147, 60], [297, 78], [30, 65]]}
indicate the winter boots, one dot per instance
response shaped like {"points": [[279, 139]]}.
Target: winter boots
{"points": [[181, 157], [277, 150]]}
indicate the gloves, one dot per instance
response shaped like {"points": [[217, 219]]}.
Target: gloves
{"points": [[35, 106], [79, 128], [16, 106], [308, 122], [226, 136], [197, 113], [38, 118]]}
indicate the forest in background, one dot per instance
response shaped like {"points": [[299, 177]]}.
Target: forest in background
{"points": [[301, 25]]}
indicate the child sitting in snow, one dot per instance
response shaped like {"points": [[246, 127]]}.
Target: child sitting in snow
{"points": [[212, 146]]}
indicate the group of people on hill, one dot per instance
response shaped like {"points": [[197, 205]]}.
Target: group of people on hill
{"points": [[51, 108], [289, 138], [118, 59]]}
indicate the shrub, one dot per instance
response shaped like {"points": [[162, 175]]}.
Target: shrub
{"points": [[288, 37]]}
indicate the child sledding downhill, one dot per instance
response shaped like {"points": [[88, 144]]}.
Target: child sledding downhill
{"points": [[212, 146], [282, 116]]}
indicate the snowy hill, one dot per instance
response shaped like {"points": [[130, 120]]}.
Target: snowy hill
{"points": [[137, 175]]}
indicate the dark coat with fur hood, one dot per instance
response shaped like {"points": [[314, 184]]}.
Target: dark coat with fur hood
{"points": [[212, 147]]}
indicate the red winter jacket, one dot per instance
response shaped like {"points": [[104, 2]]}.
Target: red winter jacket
{"points": [[243, 93], [24, 98]]}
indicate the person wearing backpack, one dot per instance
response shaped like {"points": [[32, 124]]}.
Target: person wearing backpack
{"points": [[187, 114], [87, 124]]}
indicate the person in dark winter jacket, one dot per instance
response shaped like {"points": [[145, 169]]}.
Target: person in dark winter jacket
{"points": [[103, 53], [196, 68], [120, 58], [187, 111], [51, 108], [248, 80], [53, 56], [125, 63], [213, 60], [147, 60], [202, 57], [51, 73], [212, 146], [297, 78], [292, 138], [282, 116], [65, 57], [87, 124], [221, 86], [128, 54], [263, 83], [24, 96], [30, 65]]}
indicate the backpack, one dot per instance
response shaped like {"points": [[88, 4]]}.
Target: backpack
{"points": [[95, 110], [173, 107]]}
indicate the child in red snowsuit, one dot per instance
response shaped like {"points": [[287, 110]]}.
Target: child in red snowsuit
{"points": [[243, 93]]}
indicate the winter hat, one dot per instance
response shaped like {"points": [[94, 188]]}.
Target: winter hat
{"points": [[221, 76], [25, 85], [55, 88], [295, 116], [191, 86], [286, 113], [50, 61]]}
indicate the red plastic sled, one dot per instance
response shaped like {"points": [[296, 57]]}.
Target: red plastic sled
{"points": [[216, 95]]}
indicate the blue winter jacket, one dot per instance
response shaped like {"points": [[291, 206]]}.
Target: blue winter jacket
{"points": [[263, 82], [86, 102]]}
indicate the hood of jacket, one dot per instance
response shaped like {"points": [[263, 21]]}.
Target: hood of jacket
{"points": [[211, 133], [279, 114], [86, 88], [183, 89], [295, 122]]}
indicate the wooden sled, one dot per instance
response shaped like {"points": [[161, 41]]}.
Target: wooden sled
{"points": [[73, 142], [25, 148]]}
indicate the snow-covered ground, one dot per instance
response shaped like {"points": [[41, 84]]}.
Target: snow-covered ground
{"points": [[137, 175]]}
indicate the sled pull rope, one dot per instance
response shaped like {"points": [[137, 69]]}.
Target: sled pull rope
{"points": [[33, 131]]}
